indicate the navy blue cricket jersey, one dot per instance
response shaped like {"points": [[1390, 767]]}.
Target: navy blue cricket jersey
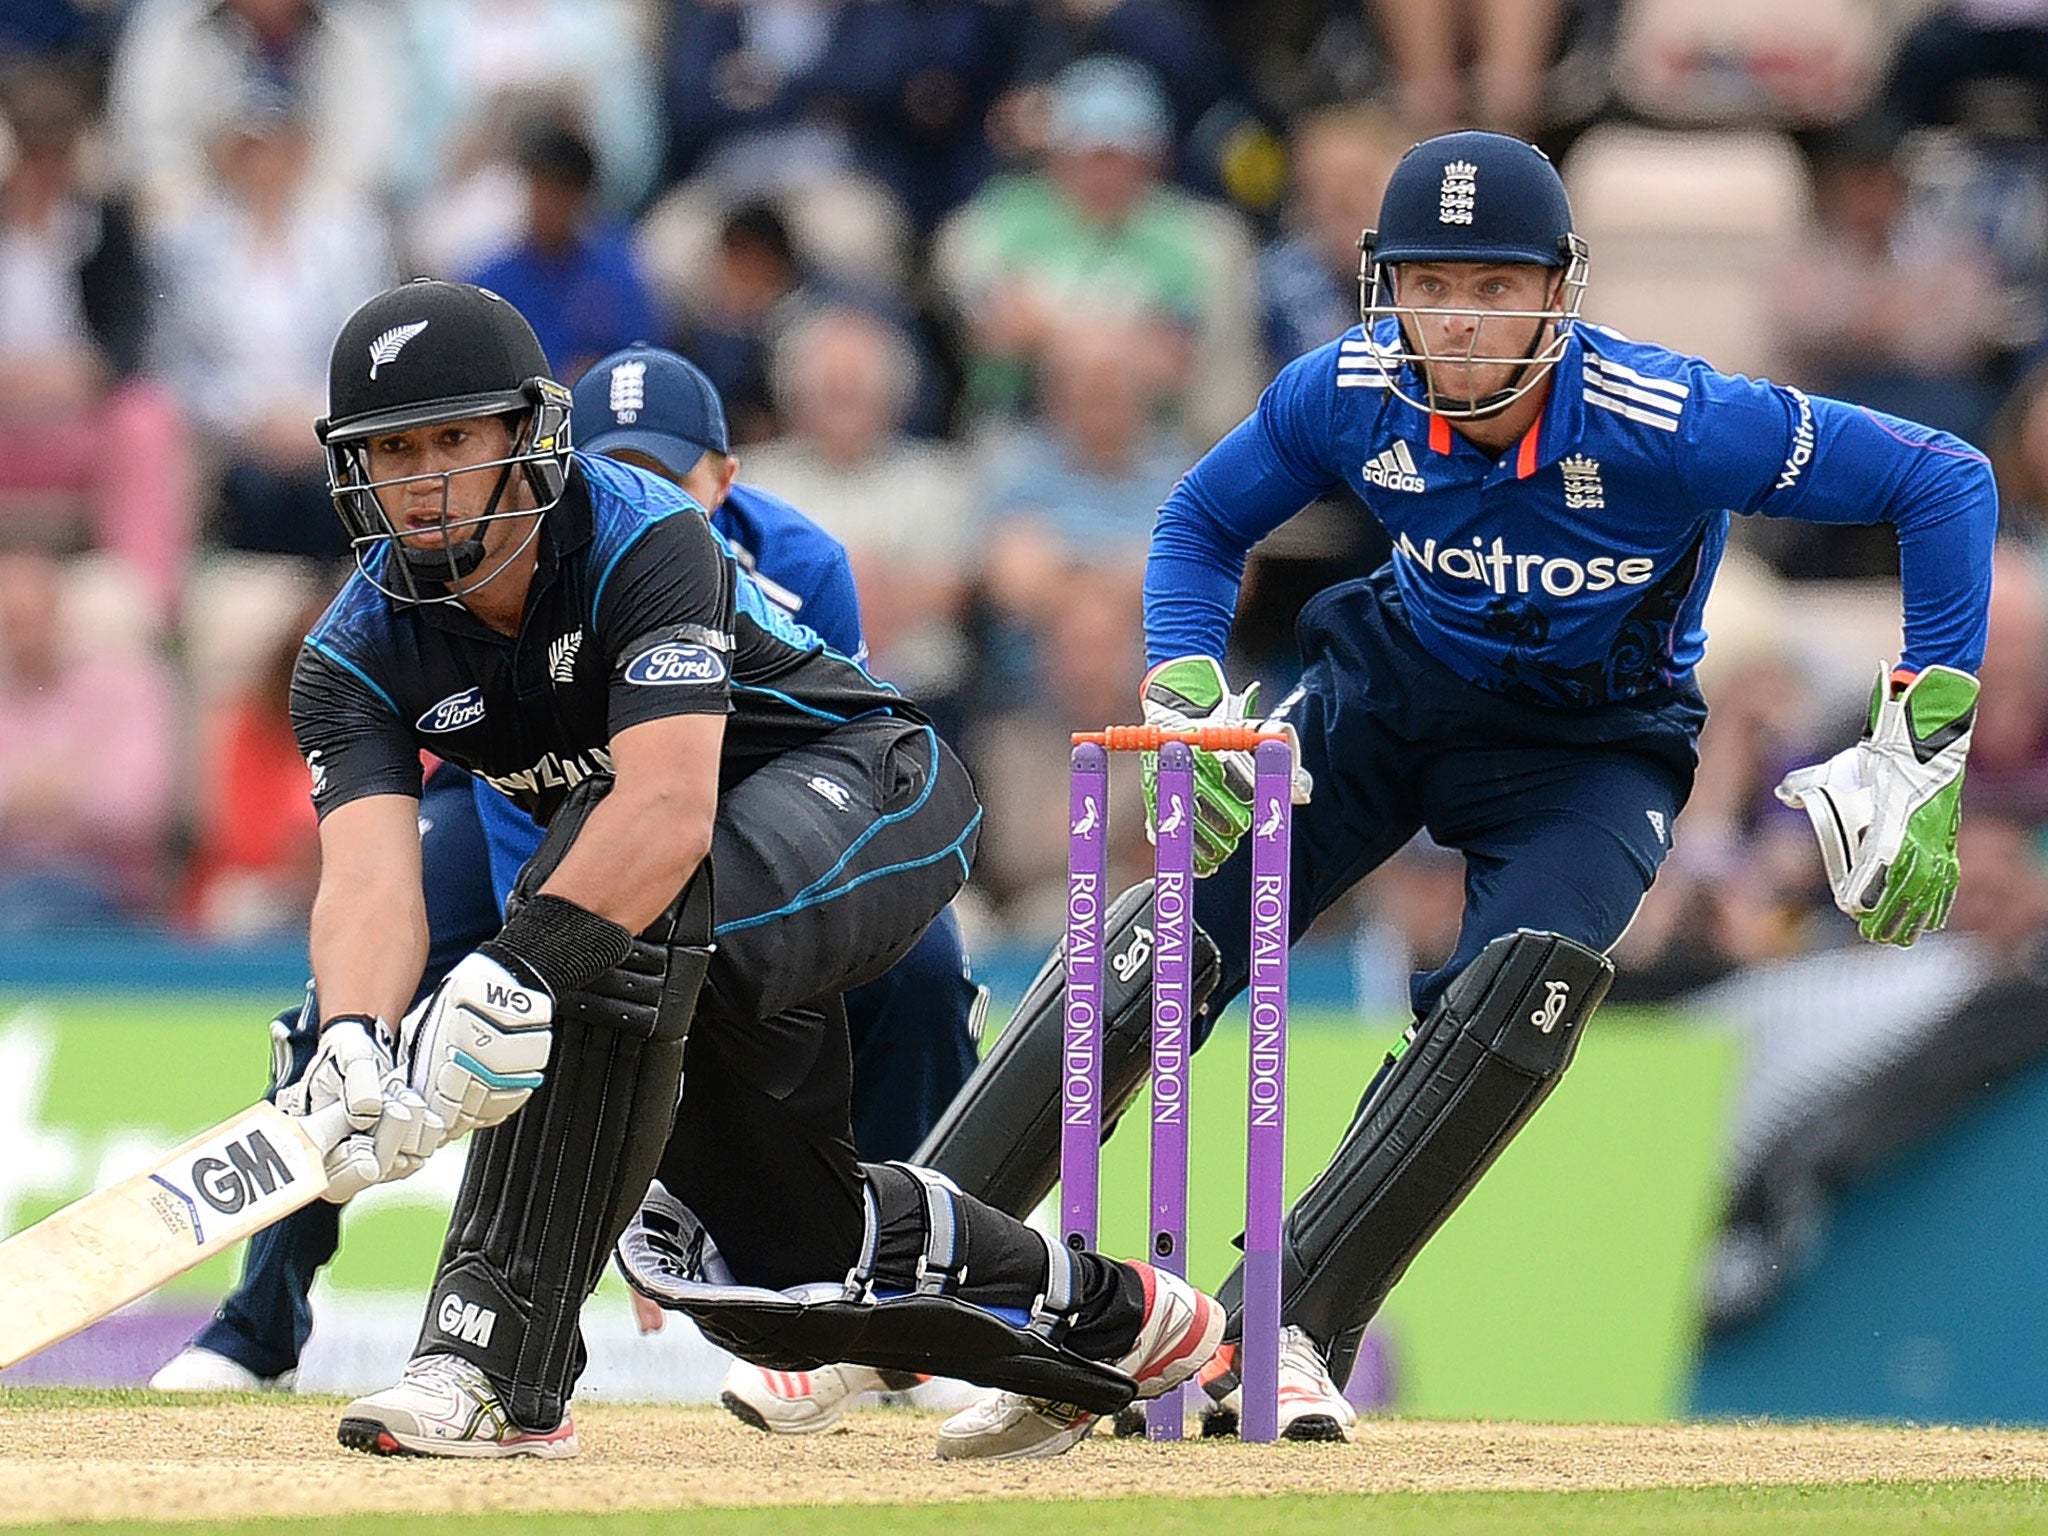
{"points": [[793, 563], [639, 610], [1573, 569]]}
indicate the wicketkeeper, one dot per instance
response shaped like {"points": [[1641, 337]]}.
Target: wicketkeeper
{"points": [[1518, 681]]}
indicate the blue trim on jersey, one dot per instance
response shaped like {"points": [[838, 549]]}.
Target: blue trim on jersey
{"points": [[314, 643], [801, 559], [809, 709], [954, 849], [932, 742]]}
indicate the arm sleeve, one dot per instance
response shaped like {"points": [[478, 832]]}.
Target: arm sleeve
{"points": [[1269, 467], [832, 607], [1760, 448], [354, 742], [664, 614]]}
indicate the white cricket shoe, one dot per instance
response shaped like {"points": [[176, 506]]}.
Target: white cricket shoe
{"points": [[445, 1406], [1311, 1406], [193, 1369], [1180, 1331], [804, 1402]]}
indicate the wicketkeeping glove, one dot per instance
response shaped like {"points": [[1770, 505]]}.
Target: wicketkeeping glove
{"points": [[1188, 691], [1887, 809]]}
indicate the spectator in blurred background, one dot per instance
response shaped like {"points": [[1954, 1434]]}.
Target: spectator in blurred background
{"points": [[87, 759], [1308, 276], [751, 289], [183, 66], [2019, 454], [476, 72], [573, 273], [763, 97], [75, 31], [1172, 39], [1840, 303], [1086, 474], [2009, 746], [1097, 233], [258, 859], [843, 381], [1971, 81], [1469, 63], [89, 440], [266, 265]]}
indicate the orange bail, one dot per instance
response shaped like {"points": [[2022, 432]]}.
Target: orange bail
{"points": [[1149, 738]]}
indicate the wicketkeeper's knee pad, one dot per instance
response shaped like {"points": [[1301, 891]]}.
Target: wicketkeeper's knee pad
{"points": [[1472, 1074]]}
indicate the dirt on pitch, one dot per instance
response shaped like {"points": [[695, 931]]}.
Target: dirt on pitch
{"points": [[244, 1458]]}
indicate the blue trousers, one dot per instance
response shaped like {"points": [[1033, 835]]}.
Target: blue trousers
{"points": [[912, 1049], [1563, 816]]}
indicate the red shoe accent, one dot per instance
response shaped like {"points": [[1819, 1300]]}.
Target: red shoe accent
{"points": [[566, 1430], [1221, 1363]]}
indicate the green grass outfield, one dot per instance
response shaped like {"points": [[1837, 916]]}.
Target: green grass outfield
{"points": [[1965, 1509]]}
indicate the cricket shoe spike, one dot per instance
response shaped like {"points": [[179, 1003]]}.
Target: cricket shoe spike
{"points": [[193, 1369], [1311, 1407], [1180, 1331], [804, 1402], [445, 1406]]}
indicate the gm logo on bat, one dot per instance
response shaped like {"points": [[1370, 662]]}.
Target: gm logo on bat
{"points": [[229, 1177], [674, 663]]}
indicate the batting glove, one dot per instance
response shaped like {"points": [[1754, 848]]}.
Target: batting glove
{"points": [[1191, 691], [348, 1068], [477, 1047], [396, 1146], [1887, 810]]}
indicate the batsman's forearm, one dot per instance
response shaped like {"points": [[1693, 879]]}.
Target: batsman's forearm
{"points": [[638, 849], [369, 946]]}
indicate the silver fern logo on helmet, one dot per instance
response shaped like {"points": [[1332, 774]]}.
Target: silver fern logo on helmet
{"points": [[385, 348], [1460, 192]]}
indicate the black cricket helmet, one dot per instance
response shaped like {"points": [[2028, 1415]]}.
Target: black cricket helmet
{"points": [[424, 353], [1472, 197]]}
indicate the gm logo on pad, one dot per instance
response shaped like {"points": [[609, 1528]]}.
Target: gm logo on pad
{"points": [[675, 664]]}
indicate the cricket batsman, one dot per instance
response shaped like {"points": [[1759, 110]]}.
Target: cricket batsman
{"points": [[741, 825], [1518, 681]]}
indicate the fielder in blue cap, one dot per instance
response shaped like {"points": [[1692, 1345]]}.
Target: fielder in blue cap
{"points": [[913, 1030]]}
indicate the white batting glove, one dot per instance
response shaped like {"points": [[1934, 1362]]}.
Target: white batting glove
{"points": [[478, 1046], [396, 1146], [348, 1068]]}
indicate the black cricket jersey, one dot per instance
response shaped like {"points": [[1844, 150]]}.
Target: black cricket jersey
{"points": [[638, 611]]}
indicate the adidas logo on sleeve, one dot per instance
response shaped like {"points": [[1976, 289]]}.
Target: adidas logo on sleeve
{"points": [[1394, 470]]}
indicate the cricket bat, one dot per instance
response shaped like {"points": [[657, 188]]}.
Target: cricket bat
{"points": [[119, 1243]]}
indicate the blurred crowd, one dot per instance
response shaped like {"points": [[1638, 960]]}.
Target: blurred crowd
{"points": [[978, 279]]}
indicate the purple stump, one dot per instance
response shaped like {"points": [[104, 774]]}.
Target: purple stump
{"points": [[1081, 1050], [1266, 1107], [1173, 921]]}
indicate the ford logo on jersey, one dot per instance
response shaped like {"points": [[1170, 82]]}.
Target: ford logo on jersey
{"points": [[453, 713], [674, 663]]}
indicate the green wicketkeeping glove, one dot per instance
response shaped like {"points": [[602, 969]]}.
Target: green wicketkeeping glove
{"points": [[1191, 690], [1886, 810]]}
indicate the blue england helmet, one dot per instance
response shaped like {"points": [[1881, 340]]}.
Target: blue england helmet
{"points": [[1473, 197]]}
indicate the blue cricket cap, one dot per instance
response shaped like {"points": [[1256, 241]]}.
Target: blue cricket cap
{"points": [[650, 399]]}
